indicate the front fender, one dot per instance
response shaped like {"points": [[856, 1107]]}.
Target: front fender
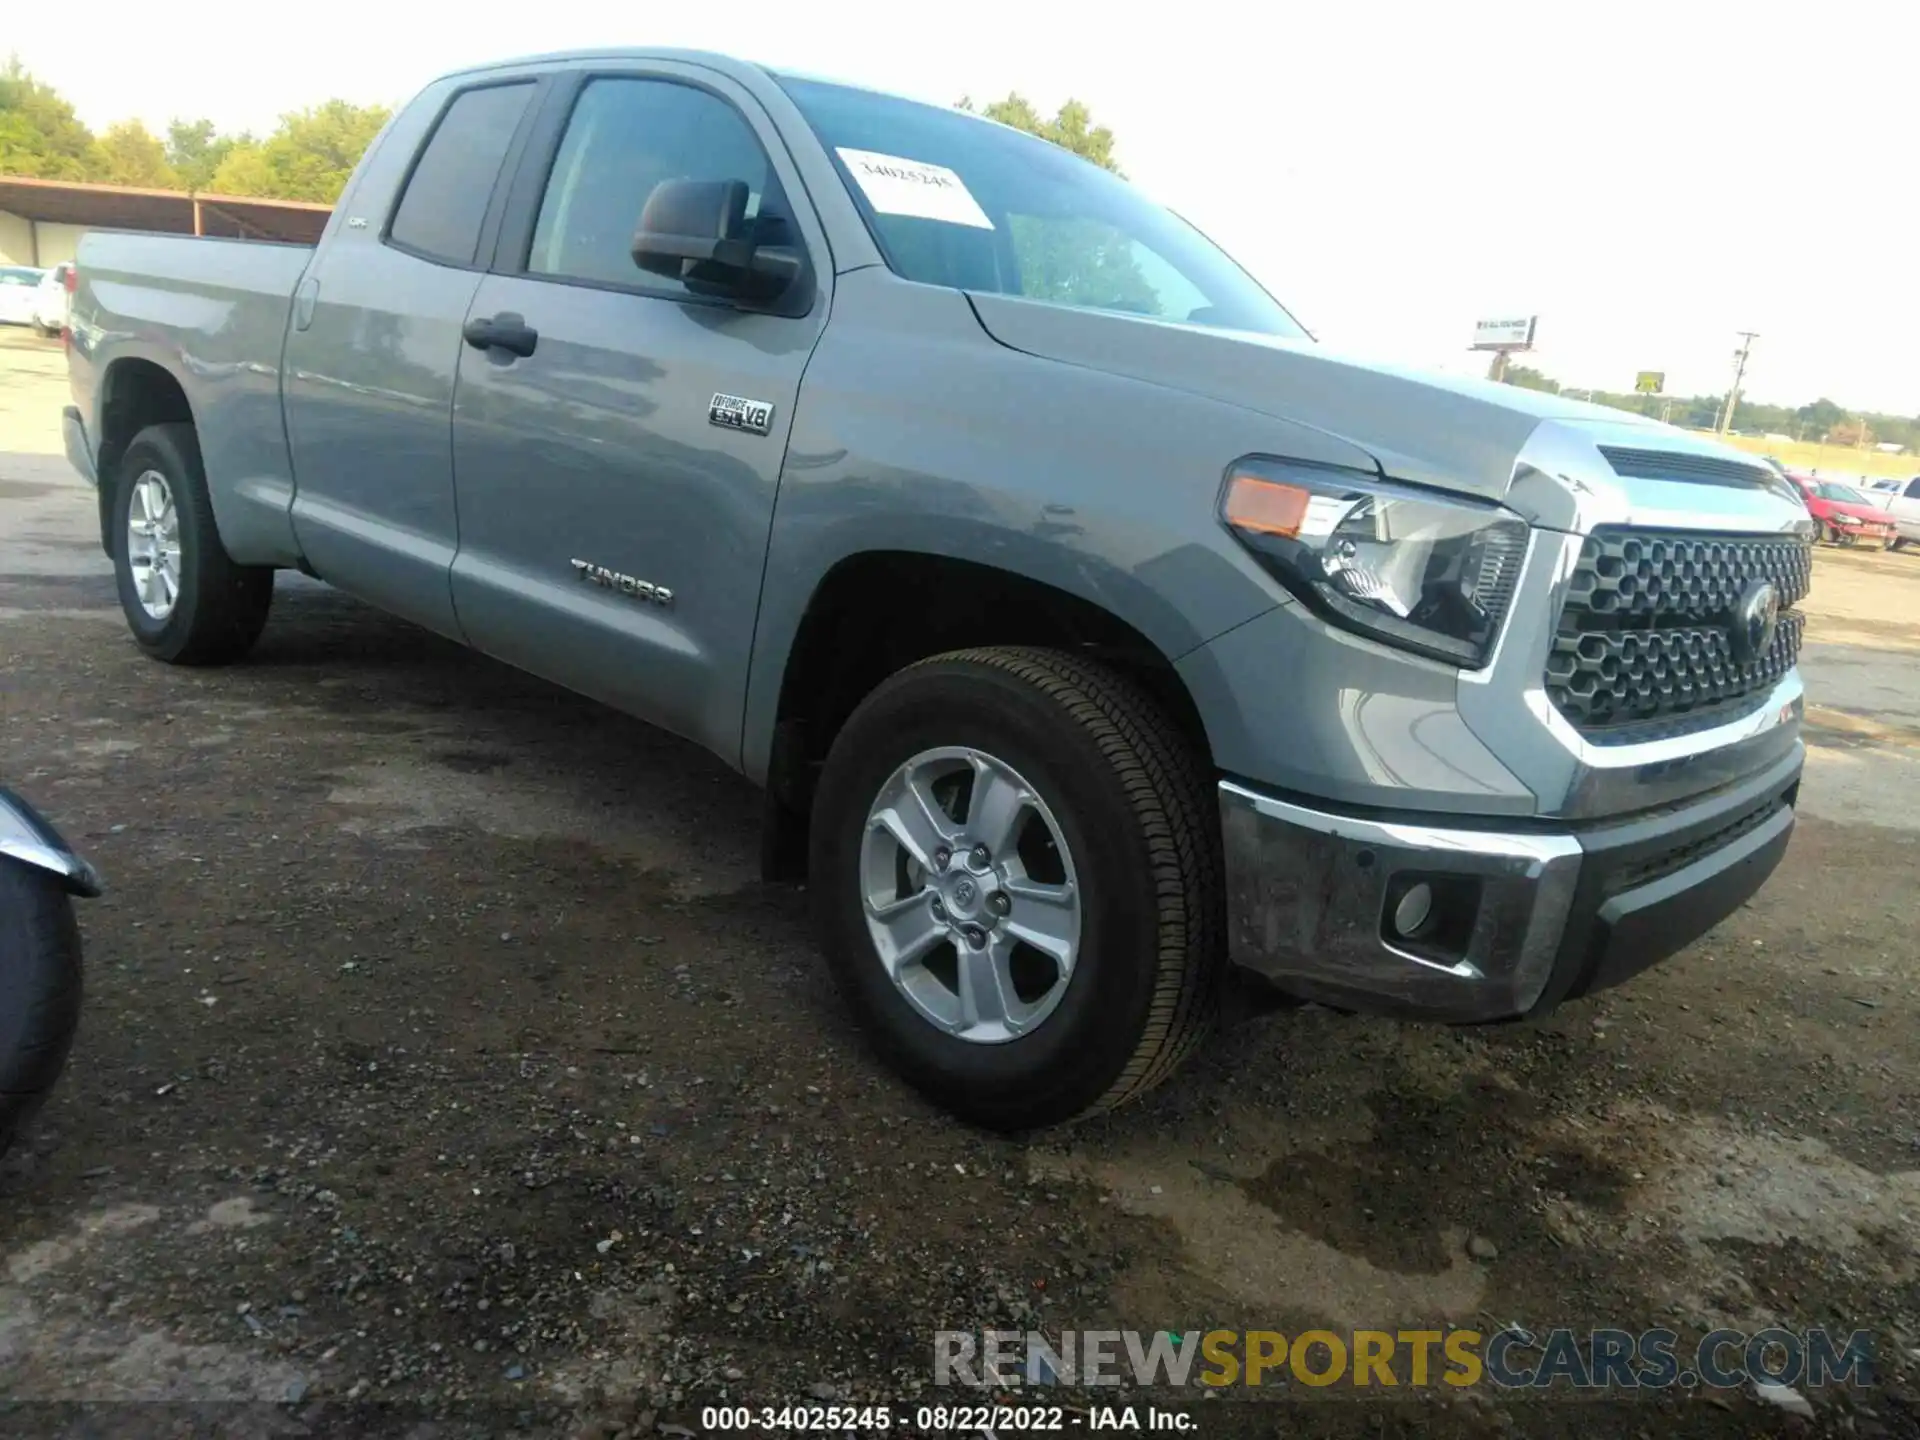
{"points": [[917, 433], [29, 837]]}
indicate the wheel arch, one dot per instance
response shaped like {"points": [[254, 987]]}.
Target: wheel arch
{"points": [[877, 611], [135, 392]]}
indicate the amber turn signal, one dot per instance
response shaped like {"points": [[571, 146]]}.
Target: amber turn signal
{"points": [[1266, 507]]}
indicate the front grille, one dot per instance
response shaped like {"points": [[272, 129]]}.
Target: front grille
{"points": [[1645, 642]]}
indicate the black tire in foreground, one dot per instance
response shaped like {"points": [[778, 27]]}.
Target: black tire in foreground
{"points": [[1128, 799], [217, 608], [39, 990]]}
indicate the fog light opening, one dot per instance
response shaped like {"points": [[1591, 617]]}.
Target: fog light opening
{"points": [[1413, 916], [1430, 915]]}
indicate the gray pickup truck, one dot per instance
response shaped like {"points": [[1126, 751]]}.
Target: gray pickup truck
{"points": [[1091, 629]]}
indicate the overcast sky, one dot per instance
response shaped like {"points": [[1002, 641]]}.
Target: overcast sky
{"points": [[1391, 172]]}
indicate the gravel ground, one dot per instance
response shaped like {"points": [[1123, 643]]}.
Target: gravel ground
{"points": [[447, 1070]]}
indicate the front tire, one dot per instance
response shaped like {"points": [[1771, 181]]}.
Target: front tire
{"points": [[1017, 881], [39, 990], [185, 599]]}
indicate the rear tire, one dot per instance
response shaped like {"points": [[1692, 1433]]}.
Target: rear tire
{"points": [[216, 608], [1133, 810], [39, 990]]}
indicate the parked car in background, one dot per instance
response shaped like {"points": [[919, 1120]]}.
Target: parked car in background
{"points": [[1901, 500], [18, 283], [1844, 515], [51, 297]]}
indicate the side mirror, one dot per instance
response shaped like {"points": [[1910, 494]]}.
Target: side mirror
{"points": [[697, 232]]}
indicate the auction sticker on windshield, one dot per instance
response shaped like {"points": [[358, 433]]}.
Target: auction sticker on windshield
{"points": [[896, 186]]}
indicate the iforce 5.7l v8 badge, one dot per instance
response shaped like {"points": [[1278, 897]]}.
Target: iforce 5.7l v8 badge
{"points": [[736, 412]]}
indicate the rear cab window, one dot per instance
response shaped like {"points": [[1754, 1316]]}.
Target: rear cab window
{"points": [[443, 204], [958, 201]]}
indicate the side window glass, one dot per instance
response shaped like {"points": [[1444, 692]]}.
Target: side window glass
{"points": [[440, 213], [1913, 489], [623, 139]]}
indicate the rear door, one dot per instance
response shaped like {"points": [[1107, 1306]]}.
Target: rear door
{"points": [[613, 524], [375, 341]]}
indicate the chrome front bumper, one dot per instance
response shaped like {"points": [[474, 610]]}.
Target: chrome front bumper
{"points": [[1522, 919]]}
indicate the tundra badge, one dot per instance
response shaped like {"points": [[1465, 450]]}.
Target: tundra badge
{"points": [[736, 412], [625, 584]]}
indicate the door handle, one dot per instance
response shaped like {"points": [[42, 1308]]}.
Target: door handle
{"points": [[505, 331]]}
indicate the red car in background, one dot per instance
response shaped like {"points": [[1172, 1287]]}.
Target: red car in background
{"points": [[1844, 516]]}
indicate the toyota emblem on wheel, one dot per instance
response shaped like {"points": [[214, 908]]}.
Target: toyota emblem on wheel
{"points": [[1755, 618]]}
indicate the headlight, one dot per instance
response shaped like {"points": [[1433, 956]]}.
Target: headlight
{"points": [[1430, 575], [1846, 520]]}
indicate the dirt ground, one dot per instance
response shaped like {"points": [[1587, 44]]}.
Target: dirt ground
{"points": [[447, 1070]]}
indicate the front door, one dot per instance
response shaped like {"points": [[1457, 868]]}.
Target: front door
{"points": [[613, 518]]}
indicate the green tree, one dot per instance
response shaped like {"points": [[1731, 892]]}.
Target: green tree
{"points": [[1071, 127], [129, 154], [1530, 379], [39, 133], [1819, 417], [1076, 261], [195, 150], [309, 156], [243, 170], [1072, 261], [1702, 412]]}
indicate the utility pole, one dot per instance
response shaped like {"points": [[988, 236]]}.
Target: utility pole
{"points": [[1747, 337]]}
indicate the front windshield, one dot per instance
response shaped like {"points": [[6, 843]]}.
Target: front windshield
{"points": [[1846, 495], [958, 201]]}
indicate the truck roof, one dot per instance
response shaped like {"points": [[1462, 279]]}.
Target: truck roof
{"points": [[711, 59]]}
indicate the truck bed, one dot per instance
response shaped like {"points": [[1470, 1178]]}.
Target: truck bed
{"points": [[212, 315]]}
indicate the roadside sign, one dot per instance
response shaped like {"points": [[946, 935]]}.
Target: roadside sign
{"points": [[1505, 334], [1650, 382]]}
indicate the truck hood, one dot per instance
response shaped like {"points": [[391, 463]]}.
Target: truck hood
{"points": [[1449, 432]]}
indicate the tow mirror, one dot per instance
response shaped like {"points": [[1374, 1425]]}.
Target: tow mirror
{"points": [[697, 232]]}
